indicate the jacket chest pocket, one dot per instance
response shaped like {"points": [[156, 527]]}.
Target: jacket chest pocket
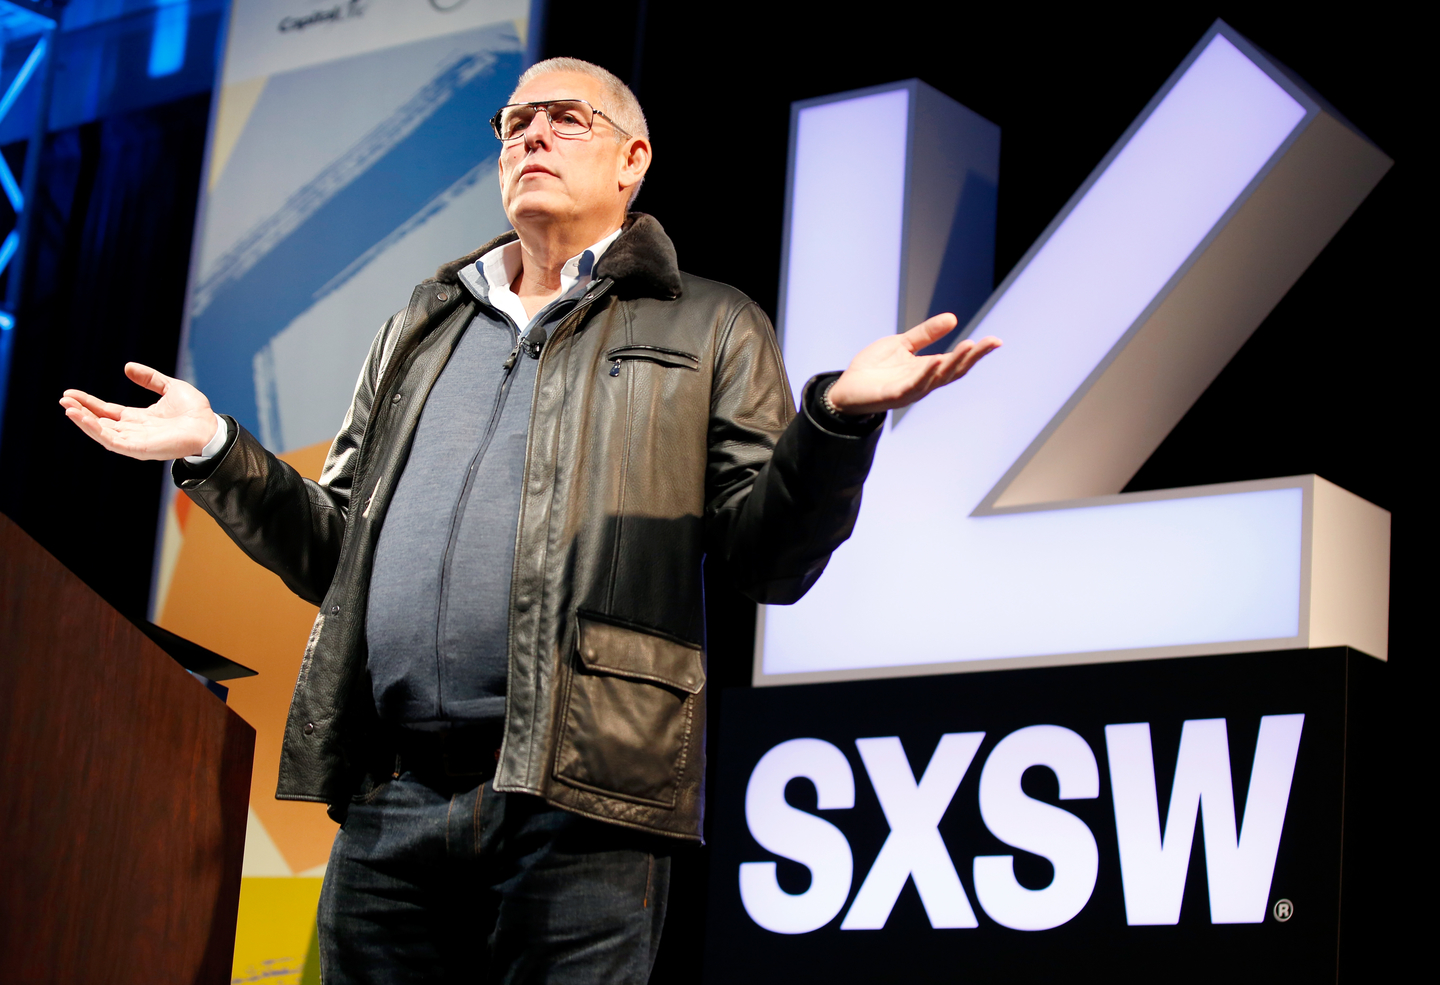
{"points": [[629, 713], [653, 354]]}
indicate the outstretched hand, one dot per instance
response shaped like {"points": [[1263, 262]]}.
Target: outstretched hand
{"points": [[180, 423], [887, 374]]}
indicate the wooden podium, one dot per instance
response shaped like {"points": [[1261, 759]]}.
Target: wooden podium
{"points": [[124, 794]]}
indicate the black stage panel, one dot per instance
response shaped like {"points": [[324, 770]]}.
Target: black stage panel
{"points": [[1241, 689]]}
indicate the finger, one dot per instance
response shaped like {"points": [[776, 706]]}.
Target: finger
{"points": [[948, 365], [90, 424], [117, 436], [96, 406], [965, 355], [929, 373], [150, 379], [978, 352], [929, 330]]}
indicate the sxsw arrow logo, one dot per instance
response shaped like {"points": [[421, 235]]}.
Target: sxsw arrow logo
{"points": [[993, 532]]}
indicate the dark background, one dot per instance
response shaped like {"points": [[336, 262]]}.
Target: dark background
{"points": [[1331, 383]]}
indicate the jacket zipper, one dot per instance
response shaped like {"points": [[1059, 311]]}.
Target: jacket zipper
{"points": [[460, 505], [509, 366], [567, 323]]}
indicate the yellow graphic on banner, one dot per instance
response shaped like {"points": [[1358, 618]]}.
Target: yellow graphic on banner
{"points": [[237, 100], [275, 941]]}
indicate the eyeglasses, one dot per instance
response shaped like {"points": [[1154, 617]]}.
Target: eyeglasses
{"points": [[568, 118]]}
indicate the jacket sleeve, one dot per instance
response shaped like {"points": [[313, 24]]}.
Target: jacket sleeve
{"points": [[783, 489], [292, 525]]}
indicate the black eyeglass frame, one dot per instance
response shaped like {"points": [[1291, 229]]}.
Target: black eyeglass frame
{"points": [[544, 106]]}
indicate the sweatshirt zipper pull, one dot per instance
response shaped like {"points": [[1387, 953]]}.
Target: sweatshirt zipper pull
{"points": [[514, 355]]}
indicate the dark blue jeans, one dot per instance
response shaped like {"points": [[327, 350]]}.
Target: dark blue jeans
{"points": [[433, 883]]}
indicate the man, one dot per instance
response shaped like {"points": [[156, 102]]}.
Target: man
{"points": [[502, 699]]}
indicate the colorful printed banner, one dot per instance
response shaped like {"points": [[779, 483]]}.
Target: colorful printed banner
{"points": [[349, 156]]}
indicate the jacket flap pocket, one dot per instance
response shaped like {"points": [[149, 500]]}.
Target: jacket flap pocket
{"points": [[627, 652], [656, 354]]}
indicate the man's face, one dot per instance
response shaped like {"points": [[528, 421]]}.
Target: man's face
{"points": [[551, 178]]}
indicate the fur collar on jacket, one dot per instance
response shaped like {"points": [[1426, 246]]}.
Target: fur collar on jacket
{"points": [[641, 261]]}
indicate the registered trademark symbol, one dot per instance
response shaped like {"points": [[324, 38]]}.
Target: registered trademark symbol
{"points": [[1284, 910]]}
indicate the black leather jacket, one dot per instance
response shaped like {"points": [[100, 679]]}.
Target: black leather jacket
{"points": [[662, 430]]}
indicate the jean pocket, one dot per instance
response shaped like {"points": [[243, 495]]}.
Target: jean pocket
{"points": [[629, 713], [370, 790]]}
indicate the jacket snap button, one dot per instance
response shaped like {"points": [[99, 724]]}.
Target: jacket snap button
{"points": [[441, 296], [397, 398], [309, 728], [523, 603], [334, 609]]}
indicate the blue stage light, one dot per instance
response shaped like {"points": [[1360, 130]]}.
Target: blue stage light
{"points": [[7, 251], [167, 43]]}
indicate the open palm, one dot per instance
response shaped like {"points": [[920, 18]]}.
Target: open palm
{"points": [[888, 374], [180, 423]]}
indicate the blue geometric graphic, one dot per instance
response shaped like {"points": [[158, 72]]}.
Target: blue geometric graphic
{"points": [[399, 174]]}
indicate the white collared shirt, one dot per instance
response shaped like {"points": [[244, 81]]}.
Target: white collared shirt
{"points": [[490, 277]]}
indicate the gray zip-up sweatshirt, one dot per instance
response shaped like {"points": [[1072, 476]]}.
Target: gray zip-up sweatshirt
{"points": [[438, 620]]}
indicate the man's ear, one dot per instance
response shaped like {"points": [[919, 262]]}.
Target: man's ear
{"points": [[634, 162]]}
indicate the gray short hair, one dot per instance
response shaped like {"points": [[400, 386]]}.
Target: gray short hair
{"points": [[620, 103]]}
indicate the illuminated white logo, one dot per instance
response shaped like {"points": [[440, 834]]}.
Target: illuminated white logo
{"points": [[1238, 867], [1239, 861], [992, 533], [1037, 827], [815, 843], [914, 849]]}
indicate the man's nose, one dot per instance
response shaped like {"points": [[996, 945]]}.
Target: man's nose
{"points": [[538, 133]]}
